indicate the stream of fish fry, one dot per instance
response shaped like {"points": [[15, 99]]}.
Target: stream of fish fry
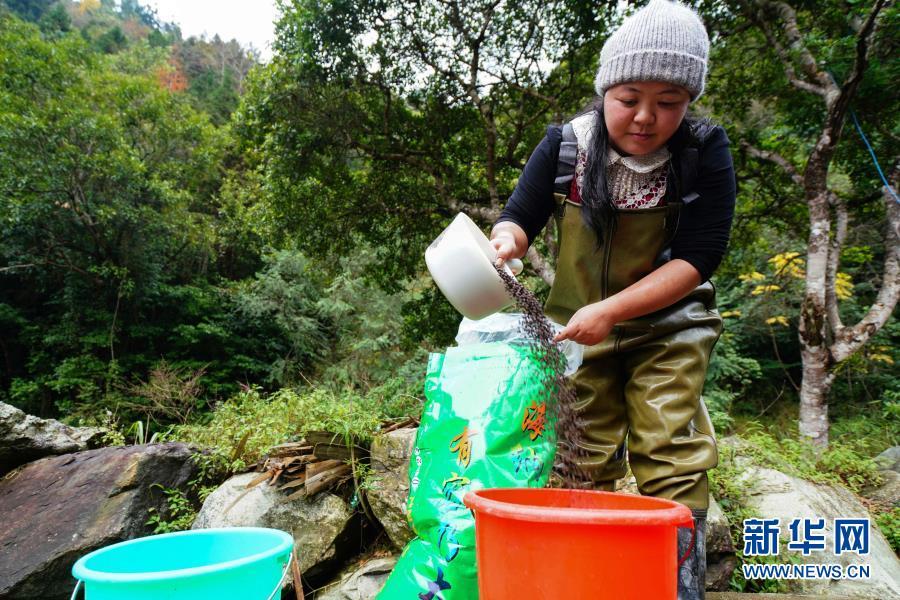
{"points": [[557, 391]]}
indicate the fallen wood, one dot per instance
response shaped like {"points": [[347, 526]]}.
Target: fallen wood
{"points": [[294, 483], [315, 468], [323, 480], [318, 462], [408, 422], [333, 452], [290, 449]]}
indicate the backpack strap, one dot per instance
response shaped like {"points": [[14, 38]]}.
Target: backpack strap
{"points": [[690, 160], [565, 164], [689, 167]]}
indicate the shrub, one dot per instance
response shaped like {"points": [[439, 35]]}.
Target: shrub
{"points": [[246, 426]]}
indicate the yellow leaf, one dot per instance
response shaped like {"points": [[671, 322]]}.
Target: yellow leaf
{"points": [[88, 6], [762, 289], [780, 320], [843, 286], [754, 276], [731, 313], [881, 358], [789, 263]]}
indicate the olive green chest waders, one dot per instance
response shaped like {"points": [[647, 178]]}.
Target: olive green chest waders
{"points": [[641, 385]]}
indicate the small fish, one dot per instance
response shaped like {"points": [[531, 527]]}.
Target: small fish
{"points": [[435, 587]]}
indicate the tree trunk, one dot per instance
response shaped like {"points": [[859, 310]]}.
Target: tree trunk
{"points": [[813, 326], [814, 395]]}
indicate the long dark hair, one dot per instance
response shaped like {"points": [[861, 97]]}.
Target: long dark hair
{"points": [[597, 206]]}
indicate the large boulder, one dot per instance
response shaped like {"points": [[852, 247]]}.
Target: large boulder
{"points": [[24, 438], [772, 494], [58, 509], [387, 494], [323, 526], [887, 493], [360, 582], [889, 459]]}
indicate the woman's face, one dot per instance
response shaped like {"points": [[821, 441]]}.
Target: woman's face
{"points": [[641, 116]]}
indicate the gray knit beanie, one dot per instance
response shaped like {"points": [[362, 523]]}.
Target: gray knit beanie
{"points": [[664, 41]]}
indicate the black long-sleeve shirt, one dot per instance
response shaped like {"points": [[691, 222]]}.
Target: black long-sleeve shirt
{"points": [[705, 222]]}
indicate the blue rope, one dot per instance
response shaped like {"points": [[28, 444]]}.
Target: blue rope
{"points": [[868, 145], [874, 159]]}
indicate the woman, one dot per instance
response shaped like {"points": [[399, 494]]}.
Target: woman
{"points": [[643, 197]]}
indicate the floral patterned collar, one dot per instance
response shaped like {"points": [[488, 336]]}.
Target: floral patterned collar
{"points": [[643, 163]]}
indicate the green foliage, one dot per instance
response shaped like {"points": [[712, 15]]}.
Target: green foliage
{"points": [[730, 486], [378, 145], [729, 376], [889, 524], [178, 515], [182, 506], [30, 10], [284, 298], [845, 462], [108, 246], [244, 427], [215, 71]]}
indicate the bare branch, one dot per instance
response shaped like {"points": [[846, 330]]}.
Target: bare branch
{"points": [[528, 91], [838, 103], [850, 339], [795, 41], [540, 265], [488, 16], [776, 158], [786, 61], [485, 213], [863, 44]]}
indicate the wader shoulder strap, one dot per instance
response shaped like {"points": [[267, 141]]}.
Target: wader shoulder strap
{"points": [[565, 165]]}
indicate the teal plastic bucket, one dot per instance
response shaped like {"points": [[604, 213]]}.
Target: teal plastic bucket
{"points": [[248, 563]]}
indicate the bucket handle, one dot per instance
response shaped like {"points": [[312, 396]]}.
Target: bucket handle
{"points": [[270, 596], [281, 579]]}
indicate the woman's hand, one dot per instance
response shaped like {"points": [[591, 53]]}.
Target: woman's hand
{"points": [[505, 245], [509, 240], [661, 288], [590, 325]]}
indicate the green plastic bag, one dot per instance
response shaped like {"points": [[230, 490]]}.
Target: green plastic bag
{"points": [[483, 426]]}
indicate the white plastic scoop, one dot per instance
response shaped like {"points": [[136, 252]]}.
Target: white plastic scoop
{"points": [[461, 262]]}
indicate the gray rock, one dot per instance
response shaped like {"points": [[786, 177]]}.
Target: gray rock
{"points": [[24, 438], [718, 530], [360, 582], [772, 494], [318, 524], [390, 458], [887, 493], [889, 459], [720, 555], [58, 509]]}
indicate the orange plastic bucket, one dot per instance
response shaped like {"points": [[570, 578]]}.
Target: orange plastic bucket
{"points": [[553, 544]]}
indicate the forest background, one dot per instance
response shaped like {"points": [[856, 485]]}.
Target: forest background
{"points": [[198, 245]]}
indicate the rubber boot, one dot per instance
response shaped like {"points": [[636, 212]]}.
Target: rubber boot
{"points": [[692, 570]]}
